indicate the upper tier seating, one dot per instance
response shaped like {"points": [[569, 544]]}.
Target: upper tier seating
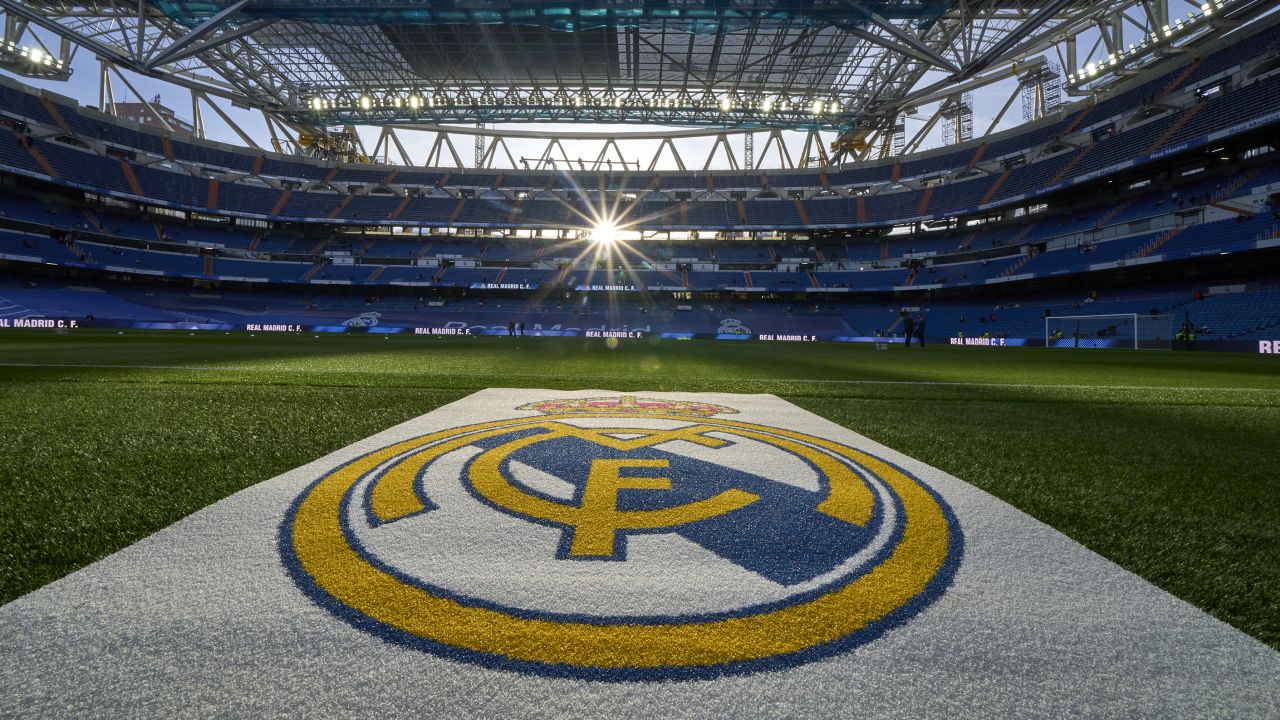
{"points": [[168, 182]]}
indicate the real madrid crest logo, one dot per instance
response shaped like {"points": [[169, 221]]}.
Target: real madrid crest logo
{"points": [[622, 538]]}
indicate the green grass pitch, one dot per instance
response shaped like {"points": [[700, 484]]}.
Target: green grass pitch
{"points": [[1164, 462]]}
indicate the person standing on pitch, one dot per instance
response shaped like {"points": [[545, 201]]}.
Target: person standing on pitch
{"points": [[920, 328], [909, 326]]}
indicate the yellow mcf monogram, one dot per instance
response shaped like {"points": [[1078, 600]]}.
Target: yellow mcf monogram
{"points": [[597, 520]]}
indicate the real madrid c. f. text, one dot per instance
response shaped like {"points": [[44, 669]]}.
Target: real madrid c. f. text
{"points": [[606, 554]]}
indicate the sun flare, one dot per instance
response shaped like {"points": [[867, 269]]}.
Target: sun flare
{"points": [[604, 233]]}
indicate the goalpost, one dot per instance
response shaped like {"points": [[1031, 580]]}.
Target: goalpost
{"points": [[1117, 330]]}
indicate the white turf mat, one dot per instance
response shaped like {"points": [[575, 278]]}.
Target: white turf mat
{"points": [[671, 555]]}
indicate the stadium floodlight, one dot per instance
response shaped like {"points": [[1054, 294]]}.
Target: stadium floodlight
{"points": [[604, 233]]}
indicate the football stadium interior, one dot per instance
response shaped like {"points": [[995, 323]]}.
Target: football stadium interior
{"points": [[1147, 189], [1034, 243]]}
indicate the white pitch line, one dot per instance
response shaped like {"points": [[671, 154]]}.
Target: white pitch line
{"points": [[938, 383]]}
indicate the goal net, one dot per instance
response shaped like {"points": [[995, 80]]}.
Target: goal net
{"points": [[1122, 330]]}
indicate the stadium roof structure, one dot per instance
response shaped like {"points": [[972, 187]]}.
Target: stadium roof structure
{"points": [[853, 67]]}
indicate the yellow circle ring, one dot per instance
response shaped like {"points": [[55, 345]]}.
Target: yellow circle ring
{"points": [[315, 540]]}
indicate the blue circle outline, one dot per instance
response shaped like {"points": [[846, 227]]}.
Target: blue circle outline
{"points": [[934, 589]]}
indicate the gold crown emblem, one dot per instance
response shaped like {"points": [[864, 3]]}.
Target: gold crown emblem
{"points": [[627, 405]]}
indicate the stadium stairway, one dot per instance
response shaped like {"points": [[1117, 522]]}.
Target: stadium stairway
{"points": [[342, 204], [1022, 234], [1070, 165], [1236, 183], [1021, 263], [1154, 245], [36, 155], [312, 272], [1106, 218], [995, 186], [78, 252], [53, 113], [1181, 78], [131, 178], [93, 220], [1173, 129], [281, 201]]}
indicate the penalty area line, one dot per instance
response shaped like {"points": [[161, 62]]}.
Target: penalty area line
{"points": [[614, 378]]}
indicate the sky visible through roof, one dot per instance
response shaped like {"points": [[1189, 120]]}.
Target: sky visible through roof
{"points": [[84, 87]]}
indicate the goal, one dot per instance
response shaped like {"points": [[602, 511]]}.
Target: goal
{"points": [[1120, 330]]}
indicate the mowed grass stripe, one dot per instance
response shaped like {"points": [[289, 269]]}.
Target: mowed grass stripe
{"points": [[91, 467], [663, 361], [1159, 461], [560, 378]]}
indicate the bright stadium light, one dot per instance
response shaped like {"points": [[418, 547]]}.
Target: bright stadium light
{"points": [[604, 233]]}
